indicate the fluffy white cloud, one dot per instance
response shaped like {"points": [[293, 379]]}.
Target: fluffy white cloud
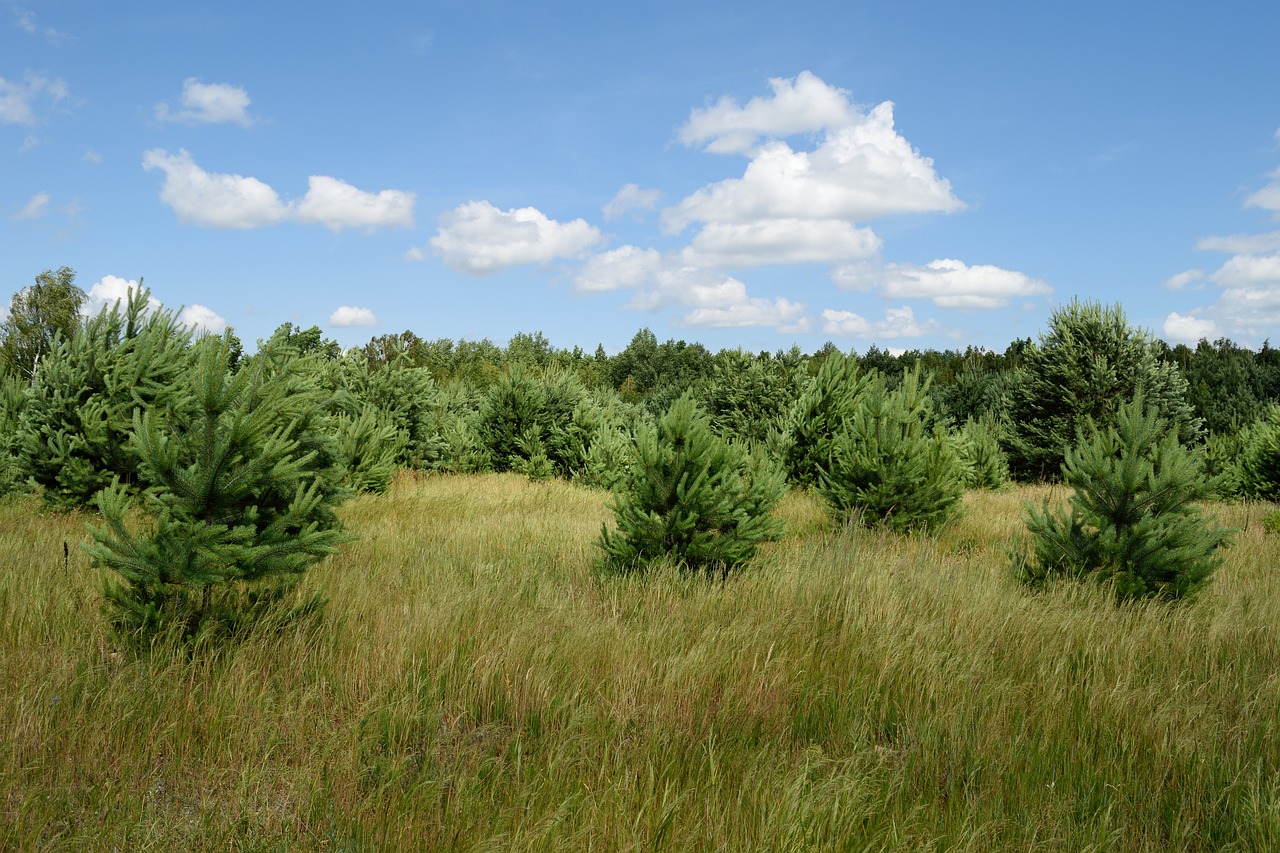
{"points": [[208, 103], [348, 315], [799, 105], [948, 283], [202, 319], [624, 268], [18, 99], [477, 237], [1188, 329], [779, 241], [336, 205], [109, 290], [233, 201], [897, 323], [213, 200], [37, 206], [861, 169], [631, 197], [781, 314]]}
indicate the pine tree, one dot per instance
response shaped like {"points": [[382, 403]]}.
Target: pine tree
{"points": [[72, 435], [889, 461], [691, 498], [1089, 363], [1257, 469], [1132, 518], [817, 414], [239, 506]]}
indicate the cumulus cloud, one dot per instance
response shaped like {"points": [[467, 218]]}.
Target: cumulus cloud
{"points": [[348, 315], [779, 241], [18, 100], [109, 290], [862, 168], [36, 207], [1183, 279], [624, 268], [1188, 329], [799, 105], [948, 283], [897, 323], [219, 200], [336, 205], [781, 314], [208, 103], [629, 198], [477, 237], [203, 320]]}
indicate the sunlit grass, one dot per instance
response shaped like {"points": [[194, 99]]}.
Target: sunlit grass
{"points": [[475, 682]]}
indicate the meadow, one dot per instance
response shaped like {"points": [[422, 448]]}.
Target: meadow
{"points": [[474, 683]]}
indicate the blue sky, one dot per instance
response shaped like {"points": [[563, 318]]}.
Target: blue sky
{"points": [[910, 174]]}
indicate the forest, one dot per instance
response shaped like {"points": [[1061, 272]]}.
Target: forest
{"points": [[591, 596]]}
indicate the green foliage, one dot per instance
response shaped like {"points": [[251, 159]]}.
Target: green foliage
{"points": [[240, 504], [1085, 367], [1258, 468], [817, 415], [72, 436], [525, 416], [745, 396], [691, 498], [889, 461], [368, 447], [12, 399], [985, 463], [38, 316], [1132, 519]]}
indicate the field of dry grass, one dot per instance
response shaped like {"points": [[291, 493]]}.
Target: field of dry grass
{"points": [[474, 683]]}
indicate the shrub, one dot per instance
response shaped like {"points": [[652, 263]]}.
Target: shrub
{"points": [[240, 504], [691, 498], [890, 463], [1132, 519]]}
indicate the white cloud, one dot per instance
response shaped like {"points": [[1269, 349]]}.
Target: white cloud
{"points": [[948, 283], [37, 206], [631, 197], [1182, 279], [1241, 243], [1246, 270], [208, 103], [624, 268], [214, 200], [233, 201], [897, 323], [1267, 198], [781, 314], [18, 100], [861, 169], [204, 320], [109, 290], [779, 241], [1188, 329], [336, 205], [413, 253], [348, 315], [477, 237], [800, 105], [91, 156], [25, 20]]}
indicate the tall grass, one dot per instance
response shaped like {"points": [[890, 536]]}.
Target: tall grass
{"points": [[474, 683]]}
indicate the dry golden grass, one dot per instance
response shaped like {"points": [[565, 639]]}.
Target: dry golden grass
{"points": [[474, 683]]}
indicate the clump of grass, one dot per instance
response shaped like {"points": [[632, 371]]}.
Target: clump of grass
{"points": [[474, 683]]}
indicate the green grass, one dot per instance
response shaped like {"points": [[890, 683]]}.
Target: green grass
{"points": [[474, 684]]}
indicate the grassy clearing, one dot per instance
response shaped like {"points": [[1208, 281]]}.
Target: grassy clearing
{"points": [[474, 684]]}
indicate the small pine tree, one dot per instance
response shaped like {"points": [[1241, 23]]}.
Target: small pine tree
{"points": [[817, 415], [691, 498], [978, 442], [890, 463], [1133, 520], [240, 505], [1257, 470]]}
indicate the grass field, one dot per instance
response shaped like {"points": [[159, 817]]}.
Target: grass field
{"points": [[474, 684]]}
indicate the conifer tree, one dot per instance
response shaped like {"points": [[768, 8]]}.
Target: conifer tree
{"points": [[890, 462], [239, 505], [1257, 469], [72, 435], [1132, 518], [691, 498], [816, 416]]}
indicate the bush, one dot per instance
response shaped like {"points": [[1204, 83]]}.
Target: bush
{"points": [[1132, 520], [691, 498], [240, 504], [890, 463]]}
